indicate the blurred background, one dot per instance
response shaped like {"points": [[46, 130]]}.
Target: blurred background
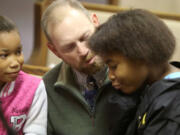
{"points": [[23, 14]]}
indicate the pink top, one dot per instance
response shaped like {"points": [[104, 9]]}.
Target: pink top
{"points": [[16, 105]]}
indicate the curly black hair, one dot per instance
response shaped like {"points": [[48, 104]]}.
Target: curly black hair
{"points": [[136, 34]]}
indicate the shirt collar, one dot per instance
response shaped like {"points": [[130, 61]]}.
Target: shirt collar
{"points": [[99, 77], [7, 89]]}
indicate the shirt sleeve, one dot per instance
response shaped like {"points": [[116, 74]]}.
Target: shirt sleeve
{"points": [[36, 123]]}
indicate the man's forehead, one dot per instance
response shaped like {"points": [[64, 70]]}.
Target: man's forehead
{"points": [[66, 16], [71, 24], [60, 13], [69, 37]]}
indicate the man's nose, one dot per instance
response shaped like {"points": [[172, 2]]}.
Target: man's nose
{"points": [[82, 49]]}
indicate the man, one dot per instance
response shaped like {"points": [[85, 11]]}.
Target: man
{"points": [[77, 88]]}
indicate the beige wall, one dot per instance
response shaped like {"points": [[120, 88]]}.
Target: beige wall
{"points": [[170, 6], [175, 28]]}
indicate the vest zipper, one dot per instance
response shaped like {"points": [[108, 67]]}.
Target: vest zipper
{"points": [[92, 114]]}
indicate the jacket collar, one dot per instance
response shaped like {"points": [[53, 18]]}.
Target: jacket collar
{"points": [[66, 81], [66, 77], [150, 93]]}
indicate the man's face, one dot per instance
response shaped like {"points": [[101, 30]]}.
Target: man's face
{"points": [[70, 42]]}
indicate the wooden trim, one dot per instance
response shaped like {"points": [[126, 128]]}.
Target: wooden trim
{"points": [[115, 9], [168, 16], [35, 70], [102, 7], [39, 53], [113, 2]]}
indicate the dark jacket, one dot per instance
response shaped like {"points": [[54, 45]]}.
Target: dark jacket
{"points": [[121, 111], [159, 110], [68, 111]]}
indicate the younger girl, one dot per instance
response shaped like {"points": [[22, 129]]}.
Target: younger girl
{"points": [[23, 97], [137, 46]]}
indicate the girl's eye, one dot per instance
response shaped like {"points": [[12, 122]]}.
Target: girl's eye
{"points": [[3, 56], [18, 52]]}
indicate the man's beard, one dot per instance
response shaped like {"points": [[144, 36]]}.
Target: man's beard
{"points": [[92, 69]]}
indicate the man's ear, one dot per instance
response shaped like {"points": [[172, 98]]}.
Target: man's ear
{"points": [[95, 19], [53, 49]]}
